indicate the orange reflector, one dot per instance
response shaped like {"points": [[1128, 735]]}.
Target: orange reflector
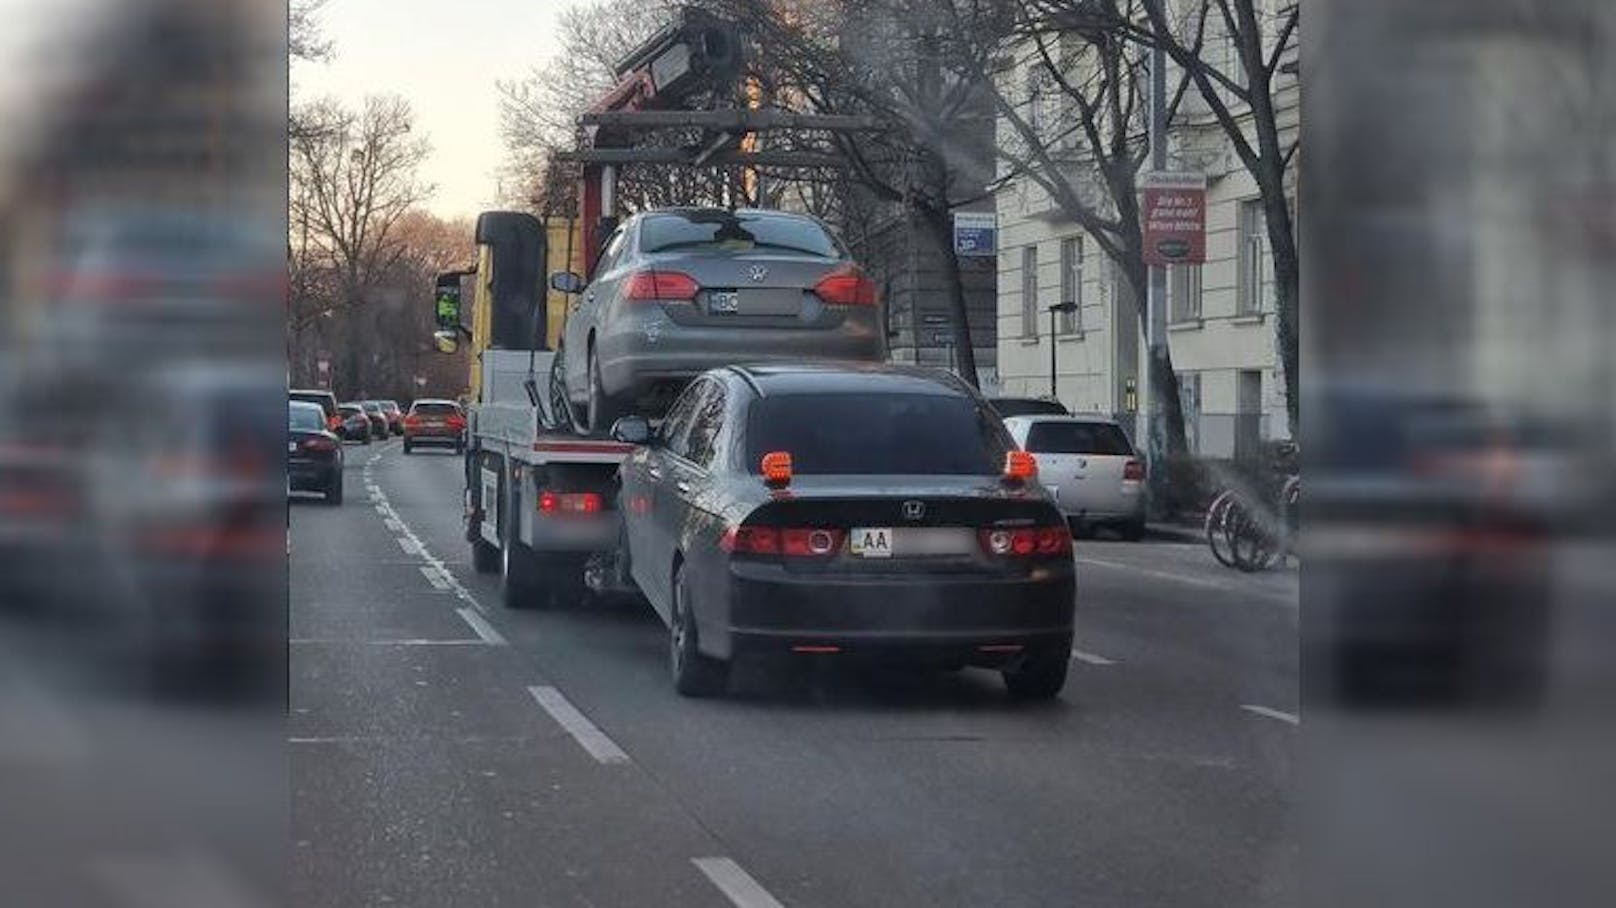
{"points": [[816, 649], [1020, 466], [777, 468], [1001, 648]]}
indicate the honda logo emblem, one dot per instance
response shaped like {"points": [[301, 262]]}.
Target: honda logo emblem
{"points": [[758, 273], [914, 510]]}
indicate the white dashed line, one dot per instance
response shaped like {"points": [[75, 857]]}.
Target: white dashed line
{"points": [[1091, 658], [1164, 575], [736, 883], [312, 641], [481, 626], [409, 545], [590, 738], [434, 577], [1292, 718]]}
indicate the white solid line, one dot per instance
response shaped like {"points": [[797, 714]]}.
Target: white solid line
{"points": [[316, 641], [433, 577], [481, 627], [743, 891], [590, 738], [410, 546], [1091, 658], [393, 525], [1273, 713]]}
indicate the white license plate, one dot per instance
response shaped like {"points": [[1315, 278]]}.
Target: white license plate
{"points": [[871, 542], [724, 302], [291, 447]]}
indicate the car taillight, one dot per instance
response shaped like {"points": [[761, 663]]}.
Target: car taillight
{"points": [[1026, 542], [846, 286], [333, 423], [569, 503], [792, 542], [1133, 470], [412, 420], [319, 444], [456, 422], [660, 285]]}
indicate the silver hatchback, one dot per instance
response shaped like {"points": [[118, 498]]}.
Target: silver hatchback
{"points": [[679, 291], [1090, 467]]}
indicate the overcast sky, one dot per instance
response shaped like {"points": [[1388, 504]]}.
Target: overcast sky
{"points": [[444, 56]]}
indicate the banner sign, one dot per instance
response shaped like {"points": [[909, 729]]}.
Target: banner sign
{"points": [[1173, 214], [976, 233]]}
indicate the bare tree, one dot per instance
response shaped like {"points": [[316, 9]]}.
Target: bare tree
{"points": [[304, 41]]}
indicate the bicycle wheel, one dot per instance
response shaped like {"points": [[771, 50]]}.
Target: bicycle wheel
{"points": [[1251, 544], [1216, 532]]}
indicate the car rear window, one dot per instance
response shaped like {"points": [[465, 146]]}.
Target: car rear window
{"points": [[426, 409], [324, 403], [350, 410], [1016, 406], [719, 230], [877, 434], [306, 417], [1077, 438]]}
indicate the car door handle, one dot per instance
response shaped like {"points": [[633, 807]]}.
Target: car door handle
{"points": [[654, 473], [683, 487]]}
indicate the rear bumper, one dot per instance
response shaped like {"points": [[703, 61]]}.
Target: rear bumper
{"points": [[434, 436], [304, 477], [925, 617]]}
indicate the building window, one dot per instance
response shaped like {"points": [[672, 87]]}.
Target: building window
{"points": [[1255, 286], [1029, 291], [1189, 403], [1184, 292], [1035, 101], [1071, 252]]}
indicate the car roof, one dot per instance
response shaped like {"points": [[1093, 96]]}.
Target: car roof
{"points": [[434, 400], [735, 212], [1083, 418], [307, 405], [312, 391], [839, 378]]}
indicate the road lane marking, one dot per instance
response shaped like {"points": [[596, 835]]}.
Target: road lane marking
{"points": [[1292, 718], [1091, 658], [385, 509], [736, 883], [1203, 582], [393, 524], [482, 628], [590, 738], [417, 641], [410, 546], [434, 577]]}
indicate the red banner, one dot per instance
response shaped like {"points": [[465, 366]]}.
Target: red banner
{"points": [[1173, 214]]}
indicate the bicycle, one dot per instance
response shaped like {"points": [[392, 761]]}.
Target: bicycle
{"points": [[1245, 535]]}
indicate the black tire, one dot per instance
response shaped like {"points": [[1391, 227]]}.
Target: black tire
{"points": [[1039, 674], [366, 439], [485, 559], [460, 448], [1132, 530], [408, 448], [694, 673], [603, 411], [333, 492], [523, 583]]}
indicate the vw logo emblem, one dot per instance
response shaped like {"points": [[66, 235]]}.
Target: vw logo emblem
{"points": [[914, 510], [758, 273]]}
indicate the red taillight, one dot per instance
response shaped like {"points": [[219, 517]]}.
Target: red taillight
{"points": [[333, 423], [660, 285], [319, 444], [456, 422], [792, 542], [846, 286], [1025, 542], [569, 503], [412, 420], [1133, 471]]}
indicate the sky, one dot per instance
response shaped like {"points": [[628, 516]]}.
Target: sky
{"points": [[444, 56]]}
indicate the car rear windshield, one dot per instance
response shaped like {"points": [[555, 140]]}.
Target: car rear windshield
{"points": [[372, 406], [877, 434], [1016, 406], [323, 403], [350, 410], [724, 231], [304, 417], [426, 409], [1077, 438]]}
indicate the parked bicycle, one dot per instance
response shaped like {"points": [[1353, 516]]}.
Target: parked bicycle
{"points": [[1251, 531]]}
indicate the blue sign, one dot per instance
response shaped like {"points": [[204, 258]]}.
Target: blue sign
{"points": [[976, 233]]}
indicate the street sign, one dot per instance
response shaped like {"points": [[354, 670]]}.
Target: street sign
{"points": [[323, 366], [1173, 212], [976, 233]]}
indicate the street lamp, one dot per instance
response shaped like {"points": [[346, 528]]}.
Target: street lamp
{"points": [[1063, 308]]}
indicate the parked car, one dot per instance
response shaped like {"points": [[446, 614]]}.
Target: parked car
{"points": [[313, 453], [1089, 466], [435, 422], [757, 523], [679, 291], [378, 419], [395, 416], [327, 402], [356, 424], [1027, 406]]}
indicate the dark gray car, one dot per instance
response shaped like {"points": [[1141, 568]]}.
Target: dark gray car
{"points": [[679, 291]]}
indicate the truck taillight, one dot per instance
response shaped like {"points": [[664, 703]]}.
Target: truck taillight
{"points": [[1133, 471], [846, 286], [792, 542], [570, 503], [1027, 542], [650, 285]]}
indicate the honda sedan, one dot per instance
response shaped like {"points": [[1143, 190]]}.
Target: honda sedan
{"points": [[758, 523]]}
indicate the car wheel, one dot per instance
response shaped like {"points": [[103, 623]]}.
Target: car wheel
{"points": [[1132, 531], [408, 448], [694, 674], [366, 439], [1039, 674], [602, 409], [523, 584], [333, 492]]}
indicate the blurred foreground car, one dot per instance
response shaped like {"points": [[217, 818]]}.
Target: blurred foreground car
{"points": [[1427, 554], [435, 422], [1090, 467], [313, 454], [680, 291], [1027, 406], [758, 524], [356, 424], [327, 403]]}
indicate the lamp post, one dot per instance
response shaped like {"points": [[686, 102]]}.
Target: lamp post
{"points": [[1054, 372]]}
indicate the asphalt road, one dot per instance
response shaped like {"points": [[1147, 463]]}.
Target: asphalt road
{"points": [[446, 751]]}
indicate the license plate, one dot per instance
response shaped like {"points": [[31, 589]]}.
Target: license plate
{"points": [[871, 542], [291, 447], [723, 302]]}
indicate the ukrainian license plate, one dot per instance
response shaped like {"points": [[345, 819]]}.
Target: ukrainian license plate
{"points": [[871, 542], [723, 302]]}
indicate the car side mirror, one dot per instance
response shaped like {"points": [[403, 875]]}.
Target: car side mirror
{"points": [[446, 301], [566, 282], [633, 430]]}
